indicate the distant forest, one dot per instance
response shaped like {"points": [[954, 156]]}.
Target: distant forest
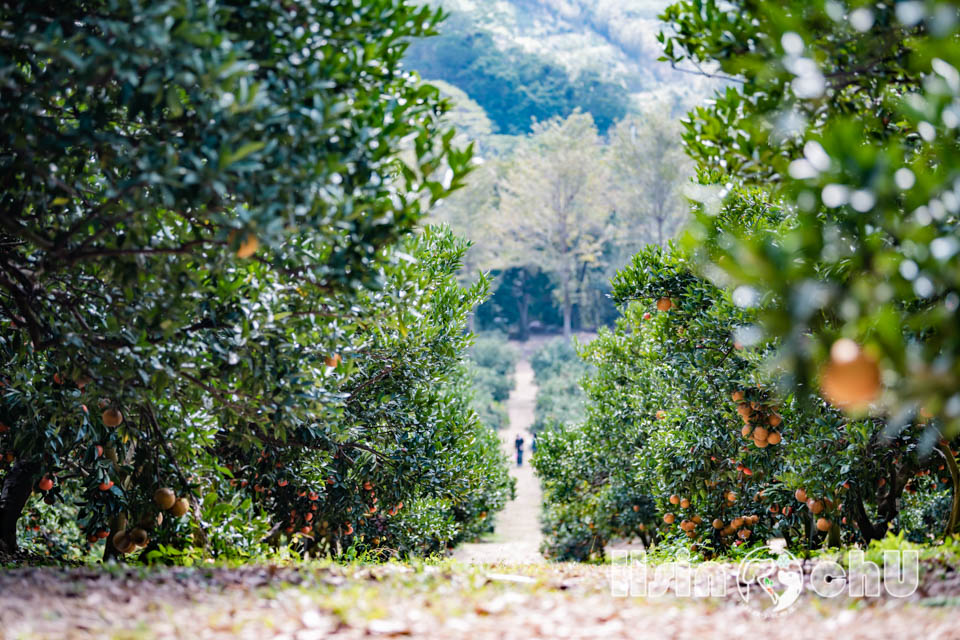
{"points": [[515, 87]]}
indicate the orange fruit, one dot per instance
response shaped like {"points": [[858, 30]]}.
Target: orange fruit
{"points": [[800, 495], [669, 518], [815, 506], [731, 496], [139, 537], [45, 484], [249, 246], [367, 486], [737, 396], [348, 530], [851, 379], [179, 508], [774, 420], [684, 504], [773, 438], [760, 433], [746, 430], [718, 524], [674, 499], [106, 486], [164, 498], [743, 534], [122, 542], [823, 524], [112, 417], [762, 444], [664, 304], [333, 361], [636, 507], [737, 523]]}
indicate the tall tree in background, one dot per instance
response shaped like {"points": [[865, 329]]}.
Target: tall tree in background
{"points": [[649, 171], [554, 204]]}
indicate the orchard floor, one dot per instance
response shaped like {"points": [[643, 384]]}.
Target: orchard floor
{"points": [[446, 601]]}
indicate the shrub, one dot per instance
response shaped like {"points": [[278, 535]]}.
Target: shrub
{"points": [[491, 364], [558, 370]]}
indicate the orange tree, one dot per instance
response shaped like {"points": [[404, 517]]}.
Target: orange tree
{"points": [[845, 112], [200, 283], [683, 410]]}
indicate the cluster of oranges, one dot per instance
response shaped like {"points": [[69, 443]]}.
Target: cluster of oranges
{"points": [[689, 525], [816, 507], [738, 525], [129, 540], [760, 422]]}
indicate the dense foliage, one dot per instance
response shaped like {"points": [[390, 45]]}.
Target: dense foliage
{"points": [[846, 113], [204, 304]]}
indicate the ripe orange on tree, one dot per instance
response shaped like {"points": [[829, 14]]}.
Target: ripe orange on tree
{"points": [[164, 498], [851, 378], [112, 418]]}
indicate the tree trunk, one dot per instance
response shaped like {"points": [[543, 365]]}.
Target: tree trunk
{"points": [[955, 480], [567, 310], [523, 304], [868, 530], [17, 487]]}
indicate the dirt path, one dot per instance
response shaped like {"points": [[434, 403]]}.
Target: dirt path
{"points": [[517, 536]]}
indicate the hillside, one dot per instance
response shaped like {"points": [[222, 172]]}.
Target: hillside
{"points": [[524, 59]]}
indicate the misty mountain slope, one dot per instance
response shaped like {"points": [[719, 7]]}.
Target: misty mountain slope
{"points": [[611, 41]]}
